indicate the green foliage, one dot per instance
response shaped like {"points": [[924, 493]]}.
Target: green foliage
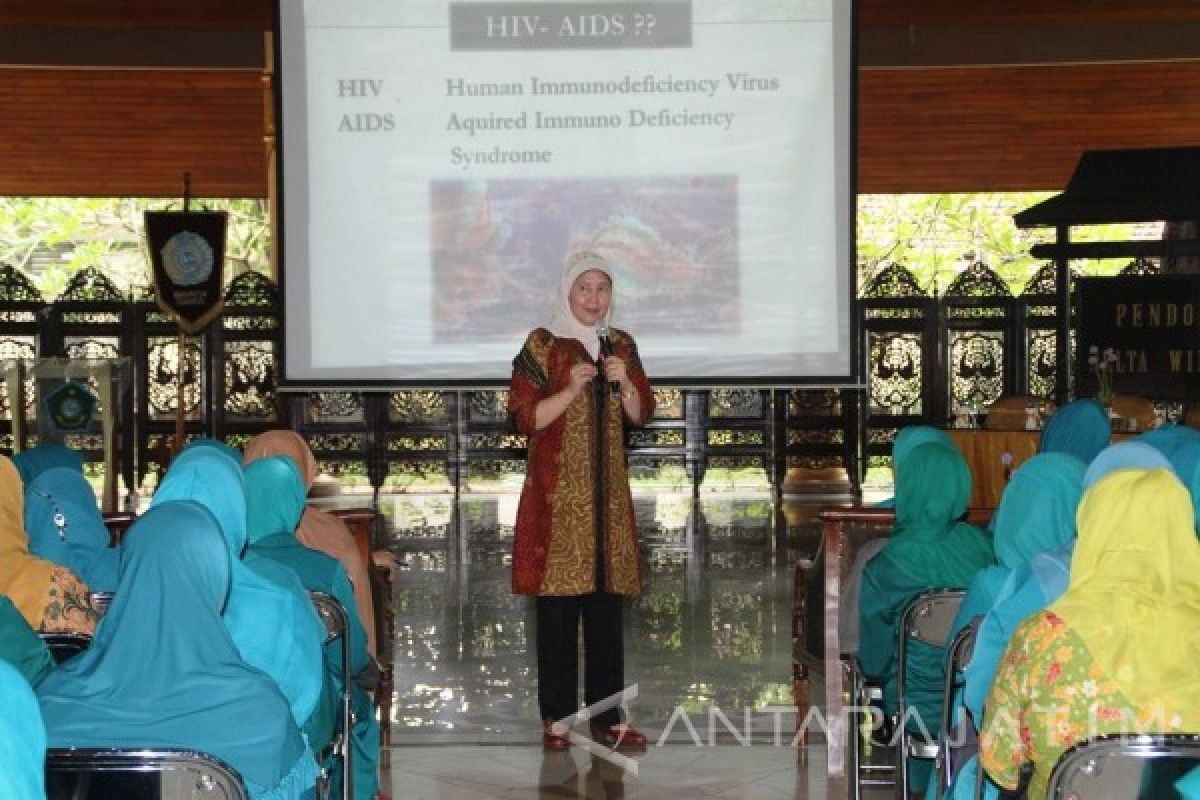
{"points": [[52, 238], [936, 236]]}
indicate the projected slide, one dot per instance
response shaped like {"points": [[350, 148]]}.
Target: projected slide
{"points": [[440, 161], [670, 242]]}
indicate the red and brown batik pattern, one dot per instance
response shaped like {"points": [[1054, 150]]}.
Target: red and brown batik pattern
{"points": [[554, 544]]}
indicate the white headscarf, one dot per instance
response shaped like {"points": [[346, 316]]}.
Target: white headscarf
{"points": [[564, 324]]}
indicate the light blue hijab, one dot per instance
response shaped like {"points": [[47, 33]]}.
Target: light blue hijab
{"points": [[22, 739], [190, 689], [62, 494], [1081, 428], [1036, 517], [36, 460], [1125, 455], [269, 614]]}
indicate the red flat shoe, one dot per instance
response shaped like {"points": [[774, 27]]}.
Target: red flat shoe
{"points": [[554, 736], [619, 737]]}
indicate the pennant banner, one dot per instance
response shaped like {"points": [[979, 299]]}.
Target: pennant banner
{"points": [[187, 254]]}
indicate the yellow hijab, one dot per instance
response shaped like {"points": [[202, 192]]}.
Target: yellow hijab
{"points": [[1134, 594], [24, 579]]}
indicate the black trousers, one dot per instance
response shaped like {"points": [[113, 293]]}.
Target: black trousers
{"points": [[558, 621]]}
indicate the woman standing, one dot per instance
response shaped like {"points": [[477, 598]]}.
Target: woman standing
{"points": [[574, 388]]}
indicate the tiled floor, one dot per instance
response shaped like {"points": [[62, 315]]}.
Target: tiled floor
{"points": [[708, 649]]}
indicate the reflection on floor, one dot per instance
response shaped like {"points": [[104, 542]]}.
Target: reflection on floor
{"points": [[708, 648]]}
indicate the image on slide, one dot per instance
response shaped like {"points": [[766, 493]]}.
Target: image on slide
{"points": [[497, 245]]}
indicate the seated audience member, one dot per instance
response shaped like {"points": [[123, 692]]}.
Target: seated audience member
{"points": [[50, 597], [906, 440], [1036, 517], [20, 647], [1124, 455], [1169, 438], [1080, 428], [36, 460], [65, 526], [22, 739], [269, 613], [216, 444], [318, 529], [1185, 461], [275, 496], [848, 613], [929, 548], [191, 689], [1115, 653]]}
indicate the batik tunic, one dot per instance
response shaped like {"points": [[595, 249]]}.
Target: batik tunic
{"points": [[554, 549], [1053, 696]]}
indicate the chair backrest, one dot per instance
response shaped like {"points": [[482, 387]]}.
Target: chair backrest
{"points": [[337, 625], [150, 774], [64, 645], [1124, 765], [927, 618], [956, 736]]}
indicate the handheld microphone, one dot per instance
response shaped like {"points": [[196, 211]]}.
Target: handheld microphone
{"points": [[606, 350]]}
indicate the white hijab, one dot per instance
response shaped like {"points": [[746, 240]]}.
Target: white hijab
{"points": [[564, 324]]}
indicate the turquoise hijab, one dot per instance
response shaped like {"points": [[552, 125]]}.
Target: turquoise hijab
{"points": [[65, 527], [908, 439], [191, 689], [269, 614], [22, 739], [1080, 428], [929, 543], [1124, 455], [1169, 437], [913, 436], [215, 444], [275, 497], [36, 460], [1037, 509]]}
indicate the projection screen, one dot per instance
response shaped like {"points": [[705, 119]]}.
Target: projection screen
{"points": [[439, 162]]}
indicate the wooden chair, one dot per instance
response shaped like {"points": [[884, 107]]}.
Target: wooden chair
{"points": [[131, 774]]}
